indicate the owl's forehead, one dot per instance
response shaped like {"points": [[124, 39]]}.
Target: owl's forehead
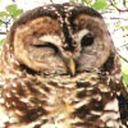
{"points": [[68, 9], [67, 12], [61, 12]]}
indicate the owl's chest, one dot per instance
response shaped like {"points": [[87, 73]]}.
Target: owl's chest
{"points": [[79, 104], [64, 105]]}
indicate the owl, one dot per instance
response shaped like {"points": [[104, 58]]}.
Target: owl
{"points": [[60, 69]]}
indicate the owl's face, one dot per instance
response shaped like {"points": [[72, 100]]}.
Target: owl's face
{"points": [[62, 39]]}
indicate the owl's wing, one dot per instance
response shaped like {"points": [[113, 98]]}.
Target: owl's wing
{"points": [[123, 105]]}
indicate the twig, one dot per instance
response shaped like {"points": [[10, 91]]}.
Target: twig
{"points": [[125, 45], [3, 33], [3, 22], [51, 1], [123, 58], [120, 10]]}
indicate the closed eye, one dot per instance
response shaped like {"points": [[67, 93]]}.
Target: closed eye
{"points": [[46, 45]]}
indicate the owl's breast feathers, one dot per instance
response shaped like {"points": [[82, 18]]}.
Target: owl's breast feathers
{"points": [[82, 101]]}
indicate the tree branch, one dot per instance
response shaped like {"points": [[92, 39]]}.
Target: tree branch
{"points": [[3, 33], [120, 10], [3, 22], [123, 58]]}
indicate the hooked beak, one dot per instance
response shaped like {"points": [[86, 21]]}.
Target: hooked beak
{"points": [[71, 66]]}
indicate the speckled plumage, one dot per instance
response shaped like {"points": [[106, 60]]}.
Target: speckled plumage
{"points": [[60, 69]]}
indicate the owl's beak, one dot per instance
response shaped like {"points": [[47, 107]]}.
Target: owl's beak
{"points": [[72, 66]]}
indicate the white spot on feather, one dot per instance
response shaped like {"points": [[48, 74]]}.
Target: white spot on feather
{"points": [[14, 85], [112, 105], [7, 104], [8, 95]]}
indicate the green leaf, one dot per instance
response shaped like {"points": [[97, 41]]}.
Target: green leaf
{"points": [[125, 75], [87, 1], [100, 5], [125, 79], [11, 9], [14, 11], [18, 12], [71, 0], [2, 41], [125, 27], [3, 13]]}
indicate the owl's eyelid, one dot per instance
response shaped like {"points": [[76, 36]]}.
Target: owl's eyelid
{"points": [[41, 45], [50, 39], [46, 45], [89, 35]]}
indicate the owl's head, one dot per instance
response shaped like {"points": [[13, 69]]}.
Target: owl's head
{"points": [[61, 39]]}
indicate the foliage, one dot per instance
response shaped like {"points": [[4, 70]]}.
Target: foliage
{"points": [[11, 11], [14, 11], [1, 42], [7, 17], [125, 75], [125, 72], [100, 5]]}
